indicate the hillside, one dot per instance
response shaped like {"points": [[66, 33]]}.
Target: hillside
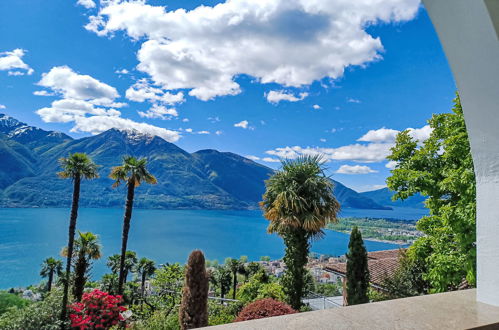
{"points": [[206, 179], [384, 197]]}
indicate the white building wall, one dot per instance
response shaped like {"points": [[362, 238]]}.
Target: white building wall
{"points": [[467, 33]]}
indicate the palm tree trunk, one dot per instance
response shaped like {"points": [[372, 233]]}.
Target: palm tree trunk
{"points": [[142, 289], [80, 270], [51, 277], [71, 238], [126, 229], [234, 285]]}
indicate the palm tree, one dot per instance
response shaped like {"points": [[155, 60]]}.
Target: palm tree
{"points": [[51, 267], [299, 202], [236, 267], [144, 269], [113, 262], [87, 248], [133, 171], [221, 277], [76, 167], [130, 263]]}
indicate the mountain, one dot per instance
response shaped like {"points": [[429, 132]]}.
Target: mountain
{"points": [[31, 137], [350, 198], [384, 197], [206, 179]]}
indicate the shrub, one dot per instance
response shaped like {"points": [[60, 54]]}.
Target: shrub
{"points": [[97, 309], [221, 313], [264, 308], [9, 300], [41, 315], [159, 320]]}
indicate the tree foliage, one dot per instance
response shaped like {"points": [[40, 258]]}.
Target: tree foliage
{"points": [[86, 249], [50, 268], [442, 169], [133, 172], [357, 270], [194, 308], [76, 166], [299, 202]]}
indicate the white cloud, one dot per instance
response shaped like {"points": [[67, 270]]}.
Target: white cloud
{"points": [[322, 140], [204, 132], [2, 106], [86, 3], [420, 134], [391, 164], [369, 153], [275, 97], [214, 119], [271, 160], [43, 93], [355, 169], [13, 61], [370, 187], [185, 120], [188, 130], [99, 124], [316, 106], [242, 124], [206, 48], [218, 132], [159, 111], [142, 91], [122, 71], [254, 158], [71, 85], [376, 150], [382, 135], [387, 135], [352, 100], [89, 104]]}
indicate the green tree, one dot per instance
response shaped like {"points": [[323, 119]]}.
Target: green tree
{"points": [[10, 300], [194, 308], [236, 267], [221, 278], [442, 169], [167, 282], [113, 262], [130, 263], [133, 172], [51, 267], [357, 270], [299, 202], [87, 248], [407, 281], [76, 167], [145, 268], [109, 283]]}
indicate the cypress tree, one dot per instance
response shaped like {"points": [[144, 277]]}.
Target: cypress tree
{"points": [[357, 269], [194, 308]]}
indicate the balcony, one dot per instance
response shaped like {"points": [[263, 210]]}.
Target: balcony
{"points": [[452, 310]]}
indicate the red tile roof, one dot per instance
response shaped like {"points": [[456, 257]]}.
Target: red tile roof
{"points": [[381, 265]]}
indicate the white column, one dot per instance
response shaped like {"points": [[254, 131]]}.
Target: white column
{"points": [[467, 31]]}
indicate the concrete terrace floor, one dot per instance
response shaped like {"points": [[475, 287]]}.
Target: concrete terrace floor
{"points": [[452, 310]]}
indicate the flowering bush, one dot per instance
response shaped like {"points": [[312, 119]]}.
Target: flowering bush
{"points": [[97, 310], [264, 308]]}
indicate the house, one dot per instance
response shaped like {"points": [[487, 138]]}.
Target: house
{"points": [[381, 264]]}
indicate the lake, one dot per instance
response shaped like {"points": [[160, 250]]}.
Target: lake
{"points": [[28, 236]]}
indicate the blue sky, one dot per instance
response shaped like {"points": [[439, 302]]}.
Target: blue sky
{"points": [[262, 79]]}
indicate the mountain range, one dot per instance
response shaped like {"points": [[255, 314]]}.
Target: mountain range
{"points": [[206, 179]]}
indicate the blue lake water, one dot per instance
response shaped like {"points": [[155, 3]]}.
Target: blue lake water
{"points": [[27, 236]]}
